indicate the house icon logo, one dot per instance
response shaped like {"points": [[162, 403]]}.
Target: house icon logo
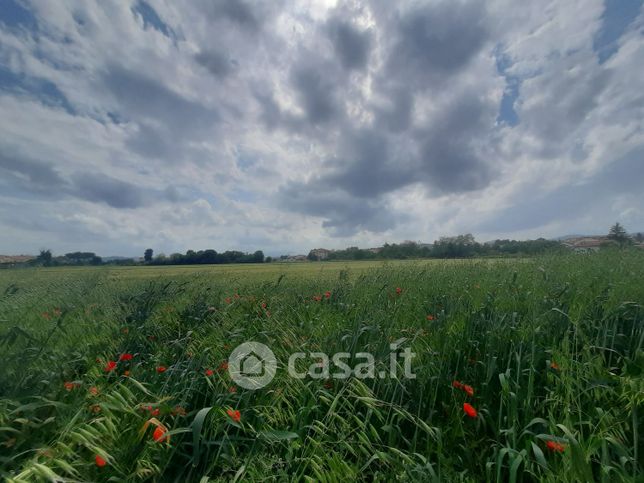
{"points": [[252, 365]]}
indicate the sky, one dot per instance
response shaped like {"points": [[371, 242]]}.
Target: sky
{"points": [[289, 125]]}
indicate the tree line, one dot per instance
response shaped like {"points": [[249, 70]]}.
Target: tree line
{"points": [[461, 246], [204, 257]]}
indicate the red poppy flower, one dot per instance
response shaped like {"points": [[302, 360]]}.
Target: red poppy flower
{"points": [[469, 410], [398, 290], [69, 385], [236, 295], [317, 298], [161, 369], [327, 294], [228, 300], [457, 385], [126, 357], [93, 391], [100, 462], [553, 365], [223, 366], [234, 414], [126, 373], [430, 317], [232, 389], [111, 365], [555, 447], [469, 390], [159, 434], [263, 305], [95, 408], [155, 411], [209, 372]]}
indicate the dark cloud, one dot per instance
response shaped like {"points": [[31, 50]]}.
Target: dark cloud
{"points": [[453, 148], [28, 178], [452, 154], [367, 167], [397, 115], [343, 215], [216, 62], [436, 40], [270, 112], [236, 11], [165, 119], [37, 173], [351, 45], [316, 89], [143, 97], [349, 193], [101, 188]]}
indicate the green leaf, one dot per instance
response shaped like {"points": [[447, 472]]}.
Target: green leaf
{"points": [[197, 425]]}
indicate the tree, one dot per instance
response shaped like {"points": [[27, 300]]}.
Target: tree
{"points": [[639, 237], [44, 257], [147, 256], [618, 233]]}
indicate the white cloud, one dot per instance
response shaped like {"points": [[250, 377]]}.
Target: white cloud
{"points": [[243, 126]]}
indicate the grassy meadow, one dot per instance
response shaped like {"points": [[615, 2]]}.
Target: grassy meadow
{"points": [[526, 370]]}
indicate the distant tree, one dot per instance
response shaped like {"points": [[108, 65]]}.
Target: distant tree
{"points": [[639, 237], [268, 259], [618, 233], [45, 257], [147, 256], [312, 256]]}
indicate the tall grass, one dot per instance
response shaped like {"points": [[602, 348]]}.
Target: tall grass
{"points": [[553, 348]]}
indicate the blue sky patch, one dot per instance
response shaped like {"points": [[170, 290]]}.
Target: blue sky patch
{"points": [[618, 15], [151, 18], [15, 14]]}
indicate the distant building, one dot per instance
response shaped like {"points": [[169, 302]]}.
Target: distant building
{"points": [[11, 259], [296, 258], [320, 253], [585, 244]]}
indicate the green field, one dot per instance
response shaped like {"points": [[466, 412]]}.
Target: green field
{"points": [[547, 351]]}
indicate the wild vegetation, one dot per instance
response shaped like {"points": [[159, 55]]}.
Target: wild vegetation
{"points": [[529, 369]]}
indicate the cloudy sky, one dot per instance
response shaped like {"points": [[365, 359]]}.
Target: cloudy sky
{"points": [[287, 125]]}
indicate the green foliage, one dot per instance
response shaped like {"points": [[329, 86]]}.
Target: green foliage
{"points": [[552, 347]]}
